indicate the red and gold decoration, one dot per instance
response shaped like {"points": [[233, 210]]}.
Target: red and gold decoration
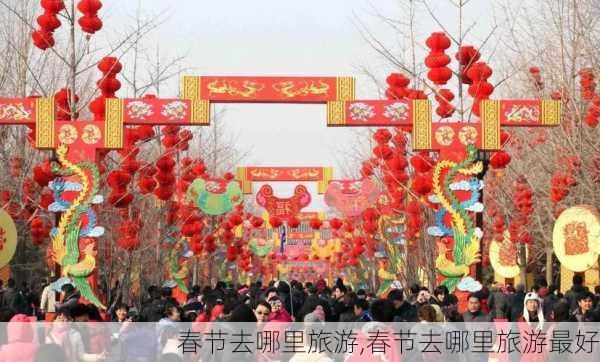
{"points": [[247, 175], [283, 208]]}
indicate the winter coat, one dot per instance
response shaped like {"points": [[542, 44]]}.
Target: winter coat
{"points": [[572, 295], [13, 299], [498, 304], [406, 313], [516, 306], [21, 346], [137, 344], [153, 311], [476, 317], [69, 302], [48, 301]]}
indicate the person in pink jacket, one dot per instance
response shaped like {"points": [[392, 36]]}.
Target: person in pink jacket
{"points": [[21, 346]]}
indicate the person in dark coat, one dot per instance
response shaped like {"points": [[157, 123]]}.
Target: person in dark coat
{"points": [[516, 303], [403, 311], [576, 290], [13, 299], [474, 312], [498, 303], [585, 308], [70, 298], [153, 309], [549, 301]]}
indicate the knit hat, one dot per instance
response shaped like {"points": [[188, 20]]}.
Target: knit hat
{"points": [[533, 296]]}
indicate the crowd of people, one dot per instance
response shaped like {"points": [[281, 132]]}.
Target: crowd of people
{"points": [[276, 302]]}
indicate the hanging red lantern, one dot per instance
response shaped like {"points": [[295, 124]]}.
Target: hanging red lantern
{"points": [[499, 160], [422, 185], [48, 22], [335, 223], [382, 136], [293, 222], [437, 60], [480, 89], [53, 6], [421, 162], [275, 222], [42, 39], [316, 223], [445, 109]]}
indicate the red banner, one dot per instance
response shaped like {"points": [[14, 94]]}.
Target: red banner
{"points": [[268, 89], [284, 173], [156, 111], [370, 113], [514, 112], [21, 110]]}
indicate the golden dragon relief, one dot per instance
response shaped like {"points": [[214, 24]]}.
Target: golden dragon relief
{"points": [[246, 90], [270, 174], [298, 173], [16, 111], [291, 89]]}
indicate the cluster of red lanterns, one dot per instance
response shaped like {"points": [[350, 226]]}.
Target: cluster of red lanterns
{"points": [[560, 183], [480, 89], [165, 177], [108, 85], [587, 83], [191, 170], [119, 196], [128, 234], [398, 88], [89, 21], [523, 201], [414, 219], [39, 231], [500, 159], [62, 104], [467, 55], [592, 115], [48, 23], [444, 97], [437, 61]]}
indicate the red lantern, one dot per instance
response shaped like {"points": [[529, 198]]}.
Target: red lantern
{"points": [[275, 222], [499, 160], [293, 222], [437, 60], [316, 223], [335, 223], [42, 39]]}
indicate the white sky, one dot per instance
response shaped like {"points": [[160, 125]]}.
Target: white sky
{"points": [[283, 37]]}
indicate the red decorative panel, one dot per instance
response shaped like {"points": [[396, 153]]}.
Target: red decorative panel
{"points": [[284, 173], [280, 207], [157, 111], [17, 110], [370, 113], [244, 89], [81, 138]]}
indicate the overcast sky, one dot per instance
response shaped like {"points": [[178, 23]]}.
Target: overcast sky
{"points": [[281, 37]]}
